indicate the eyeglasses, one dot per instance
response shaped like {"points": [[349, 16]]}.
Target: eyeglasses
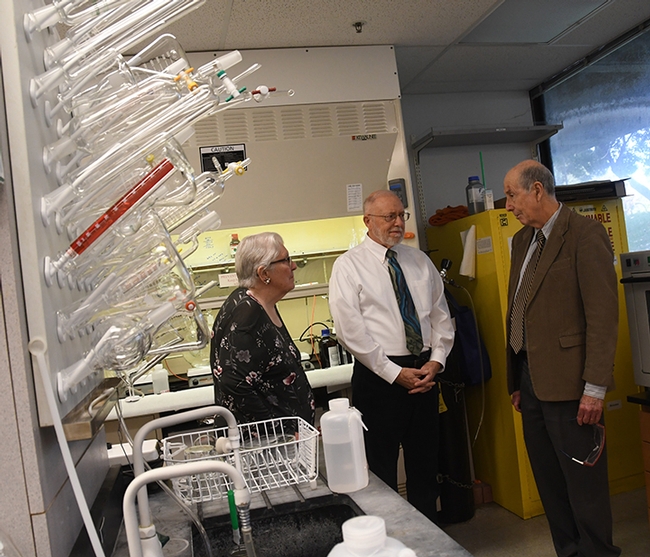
{"points": [[597, 450], [285, 260], [393, 216]]}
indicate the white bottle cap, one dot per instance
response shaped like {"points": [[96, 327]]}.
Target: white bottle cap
{"points": [[339, 404], [364, 534]]}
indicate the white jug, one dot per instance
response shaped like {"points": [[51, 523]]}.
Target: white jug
{"points": [[345, 453], [160, 380], [365, 536]]}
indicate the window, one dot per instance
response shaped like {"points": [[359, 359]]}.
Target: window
{"points": [[605, 110]]}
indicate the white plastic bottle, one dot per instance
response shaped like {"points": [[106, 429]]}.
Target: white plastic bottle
{"points": [[160, 379], [345, 453], [364, 536]]}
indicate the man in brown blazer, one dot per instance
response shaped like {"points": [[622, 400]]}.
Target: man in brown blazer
{"points": [[562, 330]]}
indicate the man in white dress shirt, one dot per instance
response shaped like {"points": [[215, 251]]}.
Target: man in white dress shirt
{"points": [[397, 358]]}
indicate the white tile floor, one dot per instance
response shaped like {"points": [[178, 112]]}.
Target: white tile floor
{"points": [[495, 531]]}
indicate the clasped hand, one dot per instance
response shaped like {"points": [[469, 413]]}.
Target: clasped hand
{"points": [[418, 380]]}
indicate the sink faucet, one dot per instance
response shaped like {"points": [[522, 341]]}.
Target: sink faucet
{"points": [[199, 413], [148, 540], [142, 539]]}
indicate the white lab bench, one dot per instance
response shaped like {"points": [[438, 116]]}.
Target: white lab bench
{"points": [[336, 377]]}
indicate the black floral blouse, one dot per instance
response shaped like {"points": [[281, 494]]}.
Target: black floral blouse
{"points": [[256, 365]]}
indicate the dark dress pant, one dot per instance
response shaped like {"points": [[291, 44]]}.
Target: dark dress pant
{"points": [[394, 418], [575, 497]]}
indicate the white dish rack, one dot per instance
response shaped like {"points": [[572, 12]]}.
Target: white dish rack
{"points": [[273, 453]]}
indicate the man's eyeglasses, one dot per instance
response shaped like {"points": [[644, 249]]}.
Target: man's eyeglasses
{"points": [[599, 444], [393, 216], [285, 260]]}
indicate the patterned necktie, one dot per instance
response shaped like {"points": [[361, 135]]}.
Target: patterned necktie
{"points": [[406, 305], [517, 330]]}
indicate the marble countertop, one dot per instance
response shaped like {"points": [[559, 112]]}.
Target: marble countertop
{"points": [[403, 521]]}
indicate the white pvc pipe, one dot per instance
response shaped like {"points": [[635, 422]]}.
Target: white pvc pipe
{"points": [[37, 348], [136, 536], [166, 421]]}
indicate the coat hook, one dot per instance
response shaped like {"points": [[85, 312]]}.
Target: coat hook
{"points": [[358, 26]]}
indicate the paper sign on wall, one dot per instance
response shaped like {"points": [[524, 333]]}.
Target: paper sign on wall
{"points": [[355, 198], [227, 280]]}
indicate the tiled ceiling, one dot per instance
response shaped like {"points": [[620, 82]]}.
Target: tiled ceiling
{"points": [[427, 34]]}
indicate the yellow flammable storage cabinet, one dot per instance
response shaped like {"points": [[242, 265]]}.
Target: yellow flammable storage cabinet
{"points": [[499, 451]]}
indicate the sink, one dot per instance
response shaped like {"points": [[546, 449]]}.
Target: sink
{"points": [[298, 529]]}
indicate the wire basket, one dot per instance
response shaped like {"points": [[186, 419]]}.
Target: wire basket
{"points": [[274, 453]]}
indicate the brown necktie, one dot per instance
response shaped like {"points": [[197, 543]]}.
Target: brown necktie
{"points": [[521, 297]]}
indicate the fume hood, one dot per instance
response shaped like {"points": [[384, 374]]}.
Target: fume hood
{"points": [[334, 122]]}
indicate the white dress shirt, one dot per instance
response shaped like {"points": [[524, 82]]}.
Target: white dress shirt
{"points": [[365, 311]]}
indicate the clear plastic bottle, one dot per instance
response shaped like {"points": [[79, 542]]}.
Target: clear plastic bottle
{"points": [[344, 448], [329, 350], [474, 192], [365, 536]]}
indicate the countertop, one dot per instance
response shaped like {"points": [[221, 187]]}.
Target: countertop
{"points": [[403, 522]]}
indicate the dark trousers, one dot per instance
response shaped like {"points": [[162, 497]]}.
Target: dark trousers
{"points": [[575, 497], [394, 418]]}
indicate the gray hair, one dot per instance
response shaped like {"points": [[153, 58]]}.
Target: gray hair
{"points": [[374, 196], [253, 252], [531, 173]]}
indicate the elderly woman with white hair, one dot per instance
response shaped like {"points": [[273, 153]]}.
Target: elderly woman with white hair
{"points": [[255, 364]]}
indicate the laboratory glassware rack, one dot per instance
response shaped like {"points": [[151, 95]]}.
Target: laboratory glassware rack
{"points": [[274, 453], [74, 169]]}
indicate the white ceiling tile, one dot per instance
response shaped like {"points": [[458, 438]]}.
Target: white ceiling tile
{"points": [[290, 23], [421, 30]]}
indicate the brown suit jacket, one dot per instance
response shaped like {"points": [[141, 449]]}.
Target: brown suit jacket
{"points": [[572, 313]]}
